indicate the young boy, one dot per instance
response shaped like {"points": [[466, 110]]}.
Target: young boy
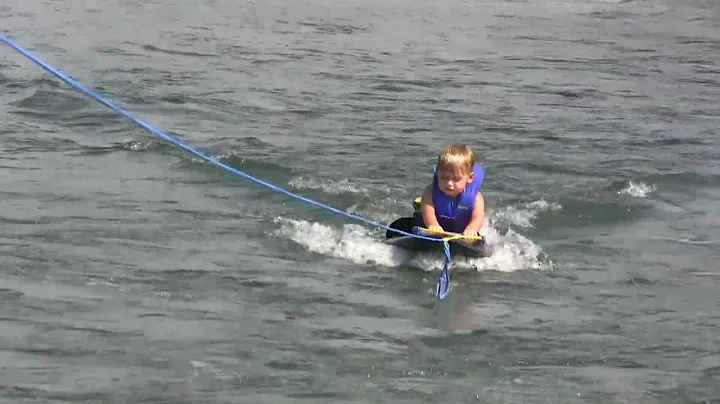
{"points": [[453, 201]]}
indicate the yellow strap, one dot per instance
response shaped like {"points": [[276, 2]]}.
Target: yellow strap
{"points": [[452, 236]]}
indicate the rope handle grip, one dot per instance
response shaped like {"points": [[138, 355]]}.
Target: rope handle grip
{"points": [[422, 231]]}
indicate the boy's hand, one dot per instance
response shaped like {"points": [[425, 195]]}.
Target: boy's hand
{"points": [[436, 228], [470, 232]]}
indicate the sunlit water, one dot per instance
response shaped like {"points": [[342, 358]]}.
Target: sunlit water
{"points": [[134, 272]]}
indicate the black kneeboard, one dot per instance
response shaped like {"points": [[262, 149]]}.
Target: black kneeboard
{"points": [[462, 247]]}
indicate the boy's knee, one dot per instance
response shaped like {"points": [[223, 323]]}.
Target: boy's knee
{"points": [[419, 219]]}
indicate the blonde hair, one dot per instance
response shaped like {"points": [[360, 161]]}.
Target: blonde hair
{"points": [[457, 157]]}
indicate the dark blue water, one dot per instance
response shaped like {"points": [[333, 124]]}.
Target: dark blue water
{"points": [[133, 272]]}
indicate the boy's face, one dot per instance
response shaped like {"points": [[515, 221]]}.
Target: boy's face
{"points": [[452, 181]]}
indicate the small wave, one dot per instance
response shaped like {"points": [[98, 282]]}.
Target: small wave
{"points": [[378, 210], [687, 241], [524, 215], [640, 190], [138, 145], [331, 187], [109, 284]]}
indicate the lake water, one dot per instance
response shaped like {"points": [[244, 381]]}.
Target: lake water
{"points": [[133, 272]]}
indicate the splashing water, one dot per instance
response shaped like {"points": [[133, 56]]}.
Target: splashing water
{"points": [[511, 251], [352, 242], [640, 190]]}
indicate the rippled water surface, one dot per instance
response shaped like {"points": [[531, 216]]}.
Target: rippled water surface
{"points": [[133, 272]]}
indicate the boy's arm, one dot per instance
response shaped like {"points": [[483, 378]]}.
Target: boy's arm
{"points": [[428, 210], [478, 217]]}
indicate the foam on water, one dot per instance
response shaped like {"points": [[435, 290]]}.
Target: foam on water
{"points": [[639, 190], [352, 242], [524, 215], [511, 250]]}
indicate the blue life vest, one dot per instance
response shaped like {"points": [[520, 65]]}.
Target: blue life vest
{"points": [[453, 215]]}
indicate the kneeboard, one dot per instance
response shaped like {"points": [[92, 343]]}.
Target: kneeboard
{"points": [[460, 247]]}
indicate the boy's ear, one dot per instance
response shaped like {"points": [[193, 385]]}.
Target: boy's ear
{"points": [[471, 177]]}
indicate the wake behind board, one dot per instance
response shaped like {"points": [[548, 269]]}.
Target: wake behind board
{"points": [[466, 248]]}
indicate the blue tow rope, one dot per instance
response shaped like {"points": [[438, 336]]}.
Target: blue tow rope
{"points": [[443, 282], [443, 286]]}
